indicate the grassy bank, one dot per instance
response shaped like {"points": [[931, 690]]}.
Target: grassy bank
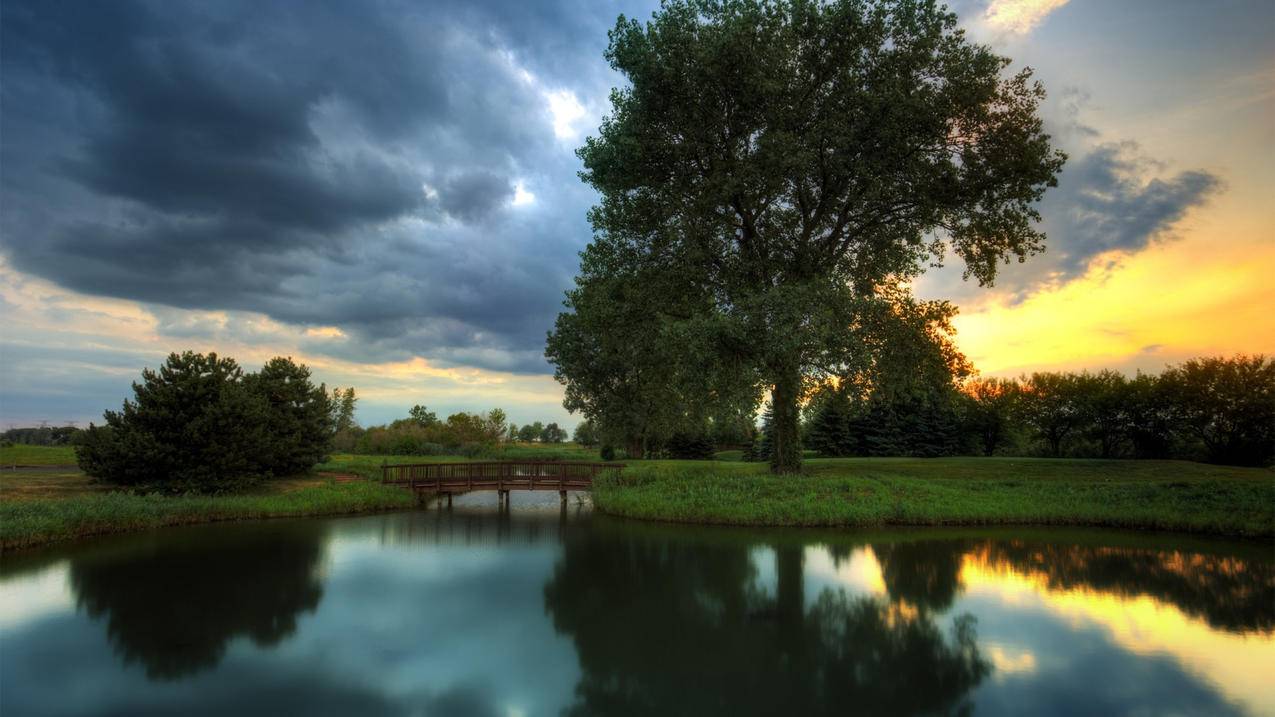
{"points": [[1162, 495], [25, 523]]}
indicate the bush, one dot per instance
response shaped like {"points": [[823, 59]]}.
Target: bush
{"points": [[608, 452], [200, 425], [689, 446]]}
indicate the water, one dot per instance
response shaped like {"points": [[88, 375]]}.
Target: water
{"points": [[535, 612]]}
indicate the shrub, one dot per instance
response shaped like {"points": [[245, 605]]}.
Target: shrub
{"points": [[199, 424], [193, 426], [689, 446]]}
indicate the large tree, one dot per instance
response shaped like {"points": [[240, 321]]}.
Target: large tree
{"points": [[778, 163]]}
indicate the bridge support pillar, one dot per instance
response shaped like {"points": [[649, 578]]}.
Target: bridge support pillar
{"points": [[563, 495], [449, 500]]}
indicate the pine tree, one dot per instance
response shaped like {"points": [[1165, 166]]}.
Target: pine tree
{"points": [[830, 429], [193, 425], [299, 421]]}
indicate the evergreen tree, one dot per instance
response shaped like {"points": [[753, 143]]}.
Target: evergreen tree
{"points": [[193, 425], [299, 422], [831, 430]]}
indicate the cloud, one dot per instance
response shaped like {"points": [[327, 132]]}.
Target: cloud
{"points": [[1106, 201], [1019, 17], [362, 168], [1111, 202]]}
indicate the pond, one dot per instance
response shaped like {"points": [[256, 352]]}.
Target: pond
{"points": [[541, 611]]}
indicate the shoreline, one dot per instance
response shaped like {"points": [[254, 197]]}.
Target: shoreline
{"points": [[34, 523], [832, 494]]}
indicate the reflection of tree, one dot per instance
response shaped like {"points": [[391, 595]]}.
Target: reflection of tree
{"points": [[1228, 593], [663, 626], [175, 607], [924, 573]]}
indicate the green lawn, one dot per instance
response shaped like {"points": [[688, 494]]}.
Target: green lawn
{"points": [[24, 455], [1167, 495]]}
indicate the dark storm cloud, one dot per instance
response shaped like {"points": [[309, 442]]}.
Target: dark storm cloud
{"points": [[1103, 204], [348, 164], [473, 195], [1109, 198]]}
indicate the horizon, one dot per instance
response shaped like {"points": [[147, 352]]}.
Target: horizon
{"points": [[394, 202]]}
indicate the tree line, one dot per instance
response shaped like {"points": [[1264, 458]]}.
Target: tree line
{"points": [[423, 433], [1216, 409]]}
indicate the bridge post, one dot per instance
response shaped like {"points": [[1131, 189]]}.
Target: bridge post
{"points": [[563, 495], [449, 500]]}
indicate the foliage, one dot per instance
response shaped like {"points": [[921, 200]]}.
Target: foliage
{"points": [[42, 435], [636, 376], [689, 446], [531, 432], [770, 169], [299, 417], [194, 425], [831, 428], [990, 412], [1150, 407], [343, 404], [553, 434], [421, 416], [585, 434], [1050, 405], [1228, 405]]}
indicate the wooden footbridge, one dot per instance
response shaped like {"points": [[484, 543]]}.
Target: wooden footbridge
{"points": [[446, 479]]}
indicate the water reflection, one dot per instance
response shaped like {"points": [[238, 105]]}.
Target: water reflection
{"points": [[1228, 592], [664, 625], [173, 605], [544, 611]]}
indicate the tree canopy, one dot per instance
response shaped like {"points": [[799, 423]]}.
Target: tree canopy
{"points": [[772, 169]]}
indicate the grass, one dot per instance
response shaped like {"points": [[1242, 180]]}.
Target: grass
{"points": [[25, 523], [24, 455], [1160, 495], [49, 500]]}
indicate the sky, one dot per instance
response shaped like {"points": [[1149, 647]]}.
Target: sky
{"points": [[388, 192]]}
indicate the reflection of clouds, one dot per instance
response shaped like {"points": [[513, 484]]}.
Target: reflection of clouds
{"points": [[859, 574], [1239, 665], [440, 616], [26, 600], [1008, 659]]}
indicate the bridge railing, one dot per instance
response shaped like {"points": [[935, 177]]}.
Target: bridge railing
{"points": [[498, 475]]}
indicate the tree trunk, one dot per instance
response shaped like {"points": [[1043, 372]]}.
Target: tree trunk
{"points": [[785, 427], [633, 447]]}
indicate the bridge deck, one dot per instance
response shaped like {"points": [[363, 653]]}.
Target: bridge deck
{"points": [[495, 475]]}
